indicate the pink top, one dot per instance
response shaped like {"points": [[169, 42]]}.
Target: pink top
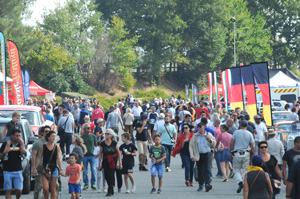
{"points": [[226, 139], [97, 114], [217, 132]]}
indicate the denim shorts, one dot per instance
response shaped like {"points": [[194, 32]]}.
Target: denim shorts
{"points": [[55, 173], [13, 178], [225, 155], [159, 169], [76, 188]]}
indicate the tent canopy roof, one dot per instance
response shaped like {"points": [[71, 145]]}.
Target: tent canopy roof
{"points": [[36, 90], [282, 80]]}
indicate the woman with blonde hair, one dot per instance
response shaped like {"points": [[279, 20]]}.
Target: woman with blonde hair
{"points": [[79, 149], [87, 121], [128, 119]]}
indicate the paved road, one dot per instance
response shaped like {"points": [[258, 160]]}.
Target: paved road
{"points": [[173, 186]]}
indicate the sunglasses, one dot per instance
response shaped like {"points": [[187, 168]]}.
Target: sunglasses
{"points": [[88, 128], [263, 147], [46, 131], [185, 127], [107, 133]]}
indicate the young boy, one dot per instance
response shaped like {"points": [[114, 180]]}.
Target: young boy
{"points": [[99, 173], [157, 155], [13, 124], [128, 151], [74, 171]]}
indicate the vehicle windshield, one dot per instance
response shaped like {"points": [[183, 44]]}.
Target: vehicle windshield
{"points": [[2, 126], [280, 117], [295, 127], [31, 116], [283, 127]]}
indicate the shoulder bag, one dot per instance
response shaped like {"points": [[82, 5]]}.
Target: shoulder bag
{"points": [[46, 171], [61, 129], [172, 139], [276, 186], [220, 145], [254, 180]]}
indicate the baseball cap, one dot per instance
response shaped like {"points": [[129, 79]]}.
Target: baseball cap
{"points": [[161, 116], [257, 160], [100, 120], [244, 123], [257, 117], [144, 117]]}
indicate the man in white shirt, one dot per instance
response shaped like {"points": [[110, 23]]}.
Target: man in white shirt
{"points": [[262, 132], [159, 123], [294, 116], [275, 147], [136, 111]]}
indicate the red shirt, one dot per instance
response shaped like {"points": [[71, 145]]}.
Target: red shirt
{"points": [[198, 111], [97, 114]]}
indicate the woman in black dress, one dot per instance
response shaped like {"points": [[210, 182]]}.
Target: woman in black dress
{"points": [[45, 152], [110, 154]]}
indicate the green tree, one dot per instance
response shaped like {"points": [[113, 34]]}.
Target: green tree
{"points": [[12, 13], [75, 27], [282, 19]]}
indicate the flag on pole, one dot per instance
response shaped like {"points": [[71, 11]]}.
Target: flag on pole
{"points": [[248, 79], [261, 74], [216, 86], [3, 88], [236, 91], [15, 71], [225, 93], [195, 92], [26, 87], [210, 85], [228, 84], [187, 92]]}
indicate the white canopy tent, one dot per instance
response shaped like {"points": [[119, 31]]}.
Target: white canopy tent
{"points": [[7, 78], [282, 80]]}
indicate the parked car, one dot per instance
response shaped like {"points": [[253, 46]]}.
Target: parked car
{"points": [[29, 139], [294, 132], [33, 114], [282, 130], [280, 116]]}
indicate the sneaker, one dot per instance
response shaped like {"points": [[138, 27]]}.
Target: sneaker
{"points": [[64, 157], [94, 187], [200, 188], [127, 191], [99, 191], [219, 176], [80, 196], [119, 190], [105, 190], [191, 184], [225, 180], [153, 190], [187, 183], [231, 175], [168, 169], [86, 187], [208, 187], [159, 191], [133, 188], [241, 186], [144, 168]]}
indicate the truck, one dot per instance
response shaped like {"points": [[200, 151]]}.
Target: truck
{"points": [[287, 94]]}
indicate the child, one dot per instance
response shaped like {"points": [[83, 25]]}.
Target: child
{"points": [[128, 151], [13, 124], [157, 155], [74, 171], [99, 173]]}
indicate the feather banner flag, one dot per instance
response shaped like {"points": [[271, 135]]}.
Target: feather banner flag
{"points": [[249, 85], [195, 92], [3, 88], [216, 86], [15, 71], [225, 93], [228, 84], [210, 85], [261, 74], [236, 91], [26, 87]]}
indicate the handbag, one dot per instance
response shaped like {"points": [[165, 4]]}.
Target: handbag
{"points": [[61, 130], [196, 174], [220, 145], [47, 171], [276, 186]]}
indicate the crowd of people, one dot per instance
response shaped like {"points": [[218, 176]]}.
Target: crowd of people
{"points": [[91, 138]]}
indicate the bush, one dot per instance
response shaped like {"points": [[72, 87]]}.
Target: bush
{"points": [[128, 81]]}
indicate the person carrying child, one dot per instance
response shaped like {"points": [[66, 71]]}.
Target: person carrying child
{"points": [[74, 173], [13, 124], [157, 154], [128, 151]]}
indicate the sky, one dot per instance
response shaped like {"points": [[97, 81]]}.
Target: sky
{"points": [[38, 9]]}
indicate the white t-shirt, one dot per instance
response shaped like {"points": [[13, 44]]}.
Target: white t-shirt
{"points": [[158, 124], [96, 152], [261, 130]]}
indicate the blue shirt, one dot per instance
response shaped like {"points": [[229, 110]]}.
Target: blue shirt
{"points": [[86, 106], [207, 130], [49, 117], [202, 143], [165, 137]]}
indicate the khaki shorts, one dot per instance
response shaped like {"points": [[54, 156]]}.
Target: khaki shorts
{"points": [[142, 147]]}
